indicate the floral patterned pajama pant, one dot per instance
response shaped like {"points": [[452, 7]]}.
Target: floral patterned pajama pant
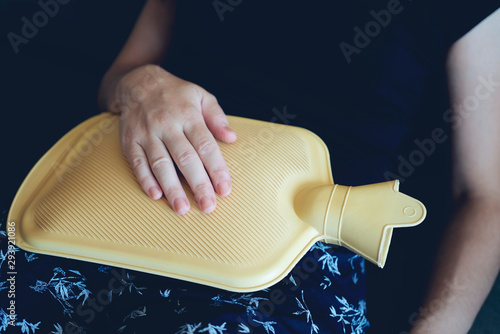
{"points": [[324, 293]]}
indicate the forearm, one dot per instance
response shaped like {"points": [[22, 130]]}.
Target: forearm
{"points": [[465, 270], [147, 44], [469, 257]]}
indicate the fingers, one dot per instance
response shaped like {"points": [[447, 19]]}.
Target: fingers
{"points": [[190, 165], [210, 155], [140, 165], [155, 171], [163, 169], [175, 126], [195, 152], [216, 120]]}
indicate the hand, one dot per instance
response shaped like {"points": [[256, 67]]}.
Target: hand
{"points": [[166, 120]]}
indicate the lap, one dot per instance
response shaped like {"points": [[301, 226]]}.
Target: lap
{"points": [[324, 293]]}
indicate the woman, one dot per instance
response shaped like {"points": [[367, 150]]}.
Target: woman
{"points": [[358, 75]]}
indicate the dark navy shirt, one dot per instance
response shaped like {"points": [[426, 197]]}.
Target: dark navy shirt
{"points": [[363, 75]]}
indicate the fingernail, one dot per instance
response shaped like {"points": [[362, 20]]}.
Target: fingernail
{"points": [[207, 204], [232, 135], [224, 188], [181, 205], [155, 192]]}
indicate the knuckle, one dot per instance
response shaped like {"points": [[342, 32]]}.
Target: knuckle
{"points": [[186, 110], [143, 181], [159, 117], [187, 158], [190, 125], [137, 162], [127, 137], [207, 146], [184, 106], [172, 192], [203, 188], [219, 172], [160, 164], [211, 97]]}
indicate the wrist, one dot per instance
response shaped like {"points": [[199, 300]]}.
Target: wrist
{"points": [[107, 96], [121, 85]]}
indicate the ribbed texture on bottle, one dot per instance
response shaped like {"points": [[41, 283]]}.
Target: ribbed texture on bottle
{"points": [[95, 196]]}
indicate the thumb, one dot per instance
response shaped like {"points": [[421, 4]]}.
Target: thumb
{"points": [[216, 120]]}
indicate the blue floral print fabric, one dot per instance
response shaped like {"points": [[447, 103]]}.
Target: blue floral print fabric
{"points": [[324, 293]]}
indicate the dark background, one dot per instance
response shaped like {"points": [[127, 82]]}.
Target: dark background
{"points": [[51, 85]]}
